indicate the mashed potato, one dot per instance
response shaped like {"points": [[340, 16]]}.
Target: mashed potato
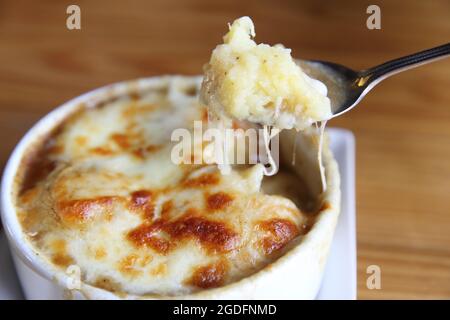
{"points": [[260, 83]]}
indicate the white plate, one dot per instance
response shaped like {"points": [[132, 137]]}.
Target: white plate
{"points": [[339, 280], [9, 284]]}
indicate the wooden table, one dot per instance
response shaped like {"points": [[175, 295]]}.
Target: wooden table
{"points": [[402, 129]]}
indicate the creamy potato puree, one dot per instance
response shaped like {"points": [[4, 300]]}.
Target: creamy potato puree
{"points": [[261, 83], [101, 192]]}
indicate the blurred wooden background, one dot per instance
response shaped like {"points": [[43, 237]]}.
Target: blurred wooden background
{"points": [[402, 129]]}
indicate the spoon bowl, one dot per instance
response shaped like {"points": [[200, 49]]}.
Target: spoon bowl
{"points": [[347, 87]]}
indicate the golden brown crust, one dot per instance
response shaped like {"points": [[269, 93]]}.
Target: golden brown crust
{"points": [[279, 233], [80, 210], [207, 179], [218, 201], [141, 201], [210, 276], [214, 236]]}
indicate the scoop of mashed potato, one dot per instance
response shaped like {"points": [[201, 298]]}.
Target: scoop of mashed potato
{"points": [[261, 83]]}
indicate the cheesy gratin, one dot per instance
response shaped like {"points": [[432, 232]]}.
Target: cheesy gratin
{"points": [[261, 83], [101, 192]]}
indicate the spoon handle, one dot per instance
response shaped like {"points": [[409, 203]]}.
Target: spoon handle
{"points": [[378, 73]]}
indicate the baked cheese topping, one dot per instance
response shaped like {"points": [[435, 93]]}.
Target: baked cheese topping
{"points": [[102, 193], [261, 83]]}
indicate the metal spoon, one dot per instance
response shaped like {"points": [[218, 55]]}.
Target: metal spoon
{"points": [[347, 87]]}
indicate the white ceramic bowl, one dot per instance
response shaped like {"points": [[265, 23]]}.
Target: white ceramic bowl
{"points": [[296, 275]]}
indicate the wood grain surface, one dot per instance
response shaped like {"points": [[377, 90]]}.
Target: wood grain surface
{"points": [[402, 128]]}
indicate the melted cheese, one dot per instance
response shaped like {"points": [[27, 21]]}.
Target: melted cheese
{"points": [[268, 134], [319, 156], [260, 83], [117, 206], [263, 84]]}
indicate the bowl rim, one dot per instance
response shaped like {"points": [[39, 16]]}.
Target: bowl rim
{"points": [[31, 257]]}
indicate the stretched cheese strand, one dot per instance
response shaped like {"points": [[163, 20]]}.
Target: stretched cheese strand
{"points": [[268, 133], [319, 156], [224, 166]]}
